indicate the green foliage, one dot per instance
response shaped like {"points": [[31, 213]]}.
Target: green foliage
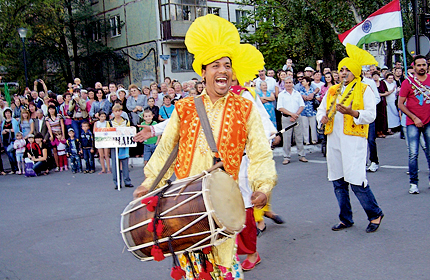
{"points": [[306, 30], [59, 43]]}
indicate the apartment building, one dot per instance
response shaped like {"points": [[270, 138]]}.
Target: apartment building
{"points": [[151, 34]]}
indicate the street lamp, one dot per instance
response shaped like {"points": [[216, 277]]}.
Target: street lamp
{"points": [[22, 34]]}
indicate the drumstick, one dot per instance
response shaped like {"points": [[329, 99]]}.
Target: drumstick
{"points": [[282, 131], [214, 167]]}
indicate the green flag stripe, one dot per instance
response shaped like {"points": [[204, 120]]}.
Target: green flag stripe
{"points": [[382, 36], [7, 94]]}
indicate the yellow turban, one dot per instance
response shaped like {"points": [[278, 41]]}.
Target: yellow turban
{"points": [[210, 38], [356, 59]]}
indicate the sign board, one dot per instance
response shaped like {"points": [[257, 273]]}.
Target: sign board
{"points": [[164, 56], [424, 45], [114, 137]]}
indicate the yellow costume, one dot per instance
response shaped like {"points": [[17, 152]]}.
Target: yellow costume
{"points": [[354, 62], [349, 127], [235, 124]]}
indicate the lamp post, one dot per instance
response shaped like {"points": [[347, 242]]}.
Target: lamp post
{"points": [[22, 34]]}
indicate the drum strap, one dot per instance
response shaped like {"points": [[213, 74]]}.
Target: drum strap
{"points": [[204, 121], [166, 166]]}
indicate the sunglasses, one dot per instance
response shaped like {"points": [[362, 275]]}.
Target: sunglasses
{"points": [[299, 77]]}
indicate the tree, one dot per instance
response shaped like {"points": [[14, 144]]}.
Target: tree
{"points": [[60, 42], [306, 30]]}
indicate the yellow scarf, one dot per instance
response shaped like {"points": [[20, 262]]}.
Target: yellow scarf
{"points": [[356, 97]]}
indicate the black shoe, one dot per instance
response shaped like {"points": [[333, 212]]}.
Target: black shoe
{"points": [[374, 227], [277, 219], [116, 187], [260, 231], [129, 186], [340, 226]]}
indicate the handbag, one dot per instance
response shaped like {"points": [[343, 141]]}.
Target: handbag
{"points": [[315, 103], [10, 148], [29, 171]]}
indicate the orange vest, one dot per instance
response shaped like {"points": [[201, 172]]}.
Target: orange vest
{"points": [[231, 141]]}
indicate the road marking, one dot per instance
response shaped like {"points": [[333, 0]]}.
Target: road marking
{"points": [[394, 166], [318, 161], [382, 166]]}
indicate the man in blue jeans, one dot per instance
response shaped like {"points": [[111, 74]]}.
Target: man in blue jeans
{"points": [[347, 110], [414, 92]]}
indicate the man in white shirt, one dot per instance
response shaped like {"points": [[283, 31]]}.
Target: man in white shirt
{"points": [[317, 80], [291, 104], [272, 86]]}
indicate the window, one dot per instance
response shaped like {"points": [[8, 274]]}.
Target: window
{"points": [[240, 14], [115, 25], [96, 31], [182, 60], [214, 11]]}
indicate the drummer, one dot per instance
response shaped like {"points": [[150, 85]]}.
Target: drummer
{"points": [[235, 122]]}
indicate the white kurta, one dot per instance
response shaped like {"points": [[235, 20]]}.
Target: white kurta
{"points": [[269, 129], [346, 154], [393, 117]]}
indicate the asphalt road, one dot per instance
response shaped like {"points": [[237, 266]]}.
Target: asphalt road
{"points": [[63, 226]]}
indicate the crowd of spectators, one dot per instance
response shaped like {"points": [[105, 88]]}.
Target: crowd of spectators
{"points": [[50, 119]]}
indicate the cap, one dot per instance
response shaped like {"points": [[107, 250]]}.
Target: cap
{"points": [[31, 135], [384, 68], [70, 129], [309, 69]]}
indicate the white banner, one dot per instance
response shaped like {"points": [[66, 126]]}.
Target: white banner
{"points": [[115, 137]]}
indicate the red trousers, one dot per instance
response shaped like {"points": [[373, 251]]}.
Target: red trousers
{"points": [[62, 160], [247, 238]]}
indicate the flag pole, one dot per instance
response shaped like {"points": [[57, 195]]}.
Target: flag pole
{"points": [[403, 43], [404, 55]]}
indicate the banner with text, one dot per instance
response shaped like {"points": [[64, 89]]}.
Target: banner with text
{"points": [[114, 137]]}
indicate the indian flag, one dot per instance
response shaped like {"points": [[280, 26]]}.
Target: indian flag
{"points": [[383, 25]]}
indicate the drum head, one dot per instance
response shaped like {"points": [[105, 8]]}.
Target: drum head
{"points": [[224, 197]]}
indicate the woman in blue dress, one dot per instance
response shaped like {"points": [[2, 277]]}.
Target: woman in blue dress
{"points": [[268, 100], [308, 114]]}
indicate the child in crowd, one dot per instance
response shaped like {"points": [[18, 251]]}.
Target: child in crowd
{"points": [[73, 148], [167, 109], [192, 92], [87, 147], [151, 143], [123, 153], [19, 146], [103, 152], [60, 143], [153, 108], [26, 123], [32, 149]]}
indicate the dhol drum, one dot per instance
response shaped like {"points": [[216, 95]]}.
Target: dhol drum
{"points": [[196, 212]]}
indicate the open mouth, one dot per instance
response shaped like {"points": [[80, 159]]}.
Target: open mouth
{"points": [[221, 81]]}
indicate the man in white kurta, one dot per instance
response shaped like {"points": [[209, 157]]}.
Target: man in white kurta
{"points": [[349, 152], [347, 144]]}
